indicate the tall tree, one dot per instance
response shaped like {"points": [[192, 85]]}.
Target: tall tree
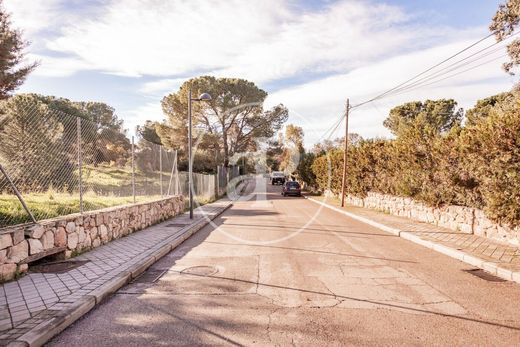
{"points": [[103, 131], [339, 142], [432, 116], [293, 149], [274, 153], [230, 122], [31, 145], [484, 106], [12, 71], [503, 25], [148, 132]]}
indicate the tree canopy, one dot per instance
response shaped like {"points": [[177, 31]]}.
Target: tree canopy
{"points": [[503, 25], [12, 45], [293, 148], [433, 116], [484, 106], [230, 123]]}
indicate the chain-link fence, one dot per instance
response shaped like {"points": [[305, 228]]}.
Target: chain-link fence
{"points": [[59, 164], [225, 175]]}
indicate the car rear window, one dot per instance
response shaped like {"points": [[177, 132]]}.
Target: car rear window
{"points": [[293, 184]]}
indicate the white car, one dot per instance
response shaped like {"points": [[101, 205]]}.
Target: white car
{"points": [[277, 177]]}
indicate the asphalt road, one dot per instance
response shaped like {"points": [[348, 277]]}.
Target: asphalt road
{"points": [[280, 271]]}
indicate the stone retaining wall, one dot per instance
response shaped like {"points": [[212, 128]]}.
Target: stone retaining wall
{"points": [[79, 232], [458, 218]]}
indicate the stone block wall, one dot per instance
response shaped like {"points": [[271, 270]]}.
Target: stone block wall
{"points": [[13, 249], [80, 232], [457, 218]]}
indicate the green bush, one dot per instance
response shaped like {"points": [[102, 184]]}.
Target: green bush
{"points": [[476, 166]]}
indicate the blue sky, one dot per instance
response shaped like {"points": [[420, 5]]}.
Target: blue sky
{"points": [[309, 55]]}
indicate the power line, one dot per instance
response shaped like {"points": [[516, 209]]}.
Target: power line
{"points": [[332, 128], [425, 71], [406, 86], [458, 73], [452, 67], [422, 82]]}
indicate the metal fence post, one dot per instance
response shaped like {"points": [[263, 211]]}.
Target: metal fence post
{"points": [[218, 181], [160, 169], [228, 172], [133, 169], [80, 164], [177, 180]]}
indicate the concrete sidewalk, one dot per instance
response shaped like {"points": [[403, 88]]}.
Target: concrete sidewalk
{"points": [[40, 305], [496, 258]]}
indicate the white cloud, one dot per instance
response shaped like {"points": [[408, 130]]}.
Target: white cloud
{"points": [[161, 86], [56, 67], [33, 16], [262, 41], [149, 111], [364, 46]]}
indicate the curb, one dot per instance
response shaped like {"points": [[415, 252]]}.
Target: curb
{"points": [[46, 330], [391, 230], [485, 265]]}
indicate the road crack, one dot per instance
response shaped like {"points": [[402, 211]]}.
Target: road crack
{"points": [[270, 321]]}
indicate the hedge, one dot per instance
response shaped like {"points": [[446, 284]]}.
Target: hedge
{"points": [[476, 166]]}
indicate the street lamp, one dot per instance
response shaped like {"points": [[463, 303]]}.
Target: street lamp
{"points": [[202, 97]]}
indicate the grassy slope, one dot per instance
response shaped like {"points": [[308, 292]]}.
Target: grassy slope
{"points": [[105, 186], [48, 205]]}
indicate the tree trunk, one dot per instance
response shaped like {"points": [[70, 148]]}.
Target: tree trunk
{"points": [[226, 149]]}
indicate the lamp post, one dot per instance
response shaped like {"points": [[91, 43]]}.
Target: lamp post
{"points": [[202, 97]]}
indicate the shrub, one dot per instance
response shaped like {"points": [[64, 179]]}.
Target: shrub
{"points": [[475, 166]]}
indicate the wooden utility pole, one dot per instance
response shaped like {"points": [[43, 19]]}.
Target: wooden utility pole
{"points": [[345, 156]]}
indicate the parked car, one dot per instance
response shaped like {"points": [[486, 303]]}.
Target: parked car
{"points": [[291, 188], [277, 177]]}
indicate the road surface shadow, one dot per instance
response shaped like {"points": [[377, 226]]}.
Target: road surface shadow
{"points": [[381, 303], [326, 230], [311, 251]]}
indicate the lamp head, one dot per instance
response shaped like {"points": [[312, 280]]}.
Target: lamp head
{"points": [[205, 97]]}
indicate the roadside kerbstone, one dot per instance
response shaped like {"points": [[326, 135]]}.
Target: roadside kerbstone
{"points": [[5, 241], [35, 246], [18, 252]]}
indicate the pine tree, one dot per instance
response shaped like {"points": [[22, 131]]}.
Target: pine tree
{"points": [[12, 71]]}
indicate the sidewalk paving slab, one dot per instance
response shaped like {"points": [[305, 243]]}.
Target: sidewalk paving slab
{"points": [[38, 306], [501, 260]]}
